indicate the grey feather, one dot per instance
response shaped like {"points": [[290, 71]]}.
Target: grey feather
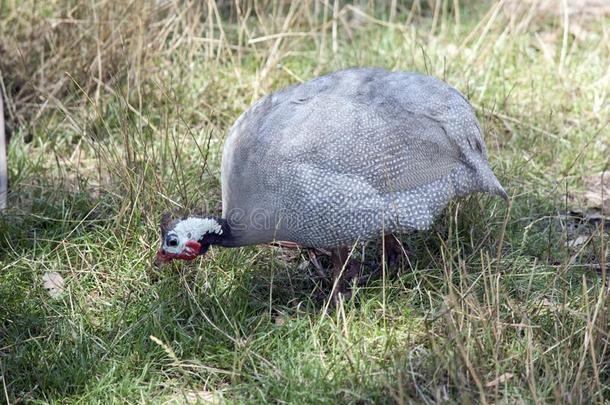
{"points": [[349, 156]]}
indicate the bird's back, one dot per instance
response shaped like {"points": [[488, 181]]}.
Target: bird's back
{"points": [[349, 155]]}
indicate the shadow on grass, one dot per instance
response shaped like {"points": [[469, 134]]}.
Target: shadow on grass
{"points": [[205, 320]]}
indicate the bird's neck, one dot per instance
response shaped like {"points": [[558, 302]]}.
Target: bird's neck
{"points": [[214, 231]]}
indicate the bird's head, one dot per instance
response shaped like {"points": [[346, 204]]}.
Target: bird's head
{"points": [[189, 237]]}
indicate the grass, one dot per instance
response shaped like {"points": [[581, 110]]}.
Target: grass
{"points": [[118, 112]]}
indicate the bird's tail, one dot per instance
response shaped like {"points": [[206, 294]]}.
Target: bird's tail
{"points": [[491, 183]]}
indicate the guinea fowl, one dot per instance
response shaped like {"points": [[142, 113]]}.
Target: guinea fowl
{"points": [[343, 158]]}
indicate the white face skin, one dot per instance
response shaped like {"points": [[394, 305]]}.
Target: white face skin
{"points": [[192, 228]]}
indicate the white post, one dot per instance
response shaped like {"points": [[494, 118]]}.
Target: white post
{"points": [[3, 158]]}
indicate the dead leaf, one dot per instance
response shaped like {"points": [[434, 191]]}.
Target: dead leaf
{"points": [[303, 266], [280, 320], [592, 199], [499, 380], [580, 240], [54, 283]]}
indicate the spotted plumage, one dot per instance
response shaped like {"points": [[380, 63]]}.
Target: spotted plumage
{"points": [[348, 157]]}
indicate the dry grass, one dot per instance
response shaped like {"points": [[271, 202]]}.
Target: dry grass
{"points": [[118, 111]]}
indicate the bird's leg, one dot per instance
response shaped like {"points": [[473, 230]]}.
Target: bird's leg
{"points": [[392, 249], [313, 259], [392, 252], [344, 272], [339, 257]]}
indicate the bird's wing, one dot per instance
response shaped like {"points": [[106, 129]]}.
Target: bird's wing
{"points": [[411, 154], [391, 150]]}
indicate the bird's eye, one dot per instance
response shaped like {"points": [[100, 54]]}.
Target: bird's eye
{"points": [[171, 240]]}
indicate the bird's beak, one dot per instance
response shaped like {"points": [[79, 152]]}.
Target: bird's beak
{"points": [[163, 257]]}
